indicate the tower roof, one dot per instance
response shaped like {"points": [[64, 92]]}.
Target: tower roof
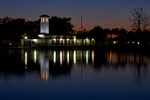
{"points": [[44, 15]]}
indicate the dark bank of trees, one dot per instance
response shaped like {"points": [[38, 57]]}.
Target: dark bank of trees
{"points": [[60, 26]]}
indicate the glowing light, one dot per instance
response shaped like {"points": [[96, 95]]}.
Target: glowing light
{"points": [[60, 39], [67, 39], [138, 43], [54, 55], [54, 39], [74, 55], [35, 40], [86, 56], [25, 60], [128, 42], [41, 35], [114, 42], [35, 56], [74, 39], [133, 42], [25, 37], [60, 57], [92, 57], [68, 57]]}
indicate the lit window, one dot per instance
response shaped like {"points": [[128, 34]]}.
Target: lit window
{"points": [[41, 35], [35, 40], [42, 19], [46, 19]]}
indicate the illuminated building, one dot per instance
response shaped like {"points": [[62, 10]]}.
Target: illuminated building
{"points": [[44, 38]]}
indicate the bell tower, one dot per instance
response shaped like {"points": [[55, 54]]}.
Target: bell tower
{"points": [[44, 24]]}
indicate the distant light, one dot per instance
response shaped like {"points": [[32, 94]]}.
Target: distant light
{"points": [[60, 39], [92, 39], [54, 39], [41, 35], [67, 39], [128, 42], [35, 40], [114, 42], [133, 42], [74, 39], [138, 43], [25, 37]]}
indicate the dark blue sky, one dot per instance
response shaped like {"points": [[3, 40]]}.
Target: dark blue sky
{"points": [[105, 13]]}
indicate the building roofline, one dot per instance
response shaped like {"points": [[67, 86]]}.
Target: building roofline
{"points": [[44, 15]]}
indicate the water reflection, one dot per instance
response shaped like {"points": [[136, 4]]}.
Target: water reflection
{"points": [[25, 60], [68, 57], [74, 56], [60, 57], [54, 55], [56, 63], [87, 56], [92, 57], [78, 72], [35, 56], [44, 67]]}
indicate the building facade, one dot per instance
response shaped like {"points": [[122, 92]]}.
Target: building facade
{"points": [[46, 39]]}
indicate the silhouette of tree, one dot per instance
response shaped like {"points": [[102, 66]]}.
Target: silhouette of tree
{"points": [[139, 19], [123, 31], [32, 28], [108, 31], [11, 29], [16, 28], [117, 32], [98, 34], [60, 26]]}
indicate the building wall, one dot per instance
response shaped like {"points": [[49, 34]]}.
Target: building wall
{"points": [[53, 42], [45, 27]]}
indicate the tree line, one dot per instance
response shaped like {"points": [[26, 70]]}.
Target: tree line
{"points": [[14, 29]]}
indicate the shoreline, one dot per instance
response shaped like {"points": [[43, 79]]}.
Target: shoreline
{"points": [[96, 47]]}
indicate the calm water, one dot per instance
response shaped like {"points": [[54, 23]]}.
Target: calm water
{"points": [[74, 75]]}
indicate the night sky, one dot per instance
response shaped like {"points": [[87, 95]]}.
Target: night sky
{"points": [[105, 13]]}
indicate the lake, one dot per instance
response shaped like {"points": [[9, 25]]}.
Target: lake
{"points": [[36, 74]]}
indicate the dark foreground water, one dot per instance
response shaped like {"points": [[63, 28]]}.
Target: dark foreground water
{"points": [[74, 75]]}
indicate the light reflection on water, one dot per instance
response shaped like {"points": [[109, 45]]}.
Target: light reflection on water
{"points": [[102, 74]]}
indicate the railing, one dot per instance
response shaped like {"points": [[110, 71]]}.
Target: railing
{"points": [[63, 44]]}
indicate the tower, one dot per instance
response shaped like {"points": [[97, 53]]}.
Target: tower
{"points": [[44, 24]]}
